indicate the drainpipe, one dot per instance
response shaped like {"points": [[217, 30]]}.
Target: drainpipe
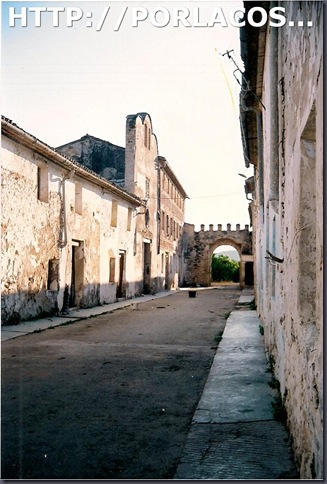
{"points": [[62, 217], [157, 165]]}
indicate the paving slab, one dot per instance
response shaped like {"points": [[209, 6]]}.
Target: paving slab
{"points": [[242, 331], [233, 433], [245, 299], [242, 451], [237, 387]]}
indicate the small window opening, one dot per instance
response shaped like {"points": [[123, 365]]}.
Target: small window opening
{"points": [[114, 209], [129, 219], [145, 135], [112, 268], [147, 188], [43, 184], [78, 198], [53, 275]]}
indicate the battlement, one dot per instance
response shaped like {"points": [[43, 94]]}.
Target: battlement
{"points": [[227, 229]]}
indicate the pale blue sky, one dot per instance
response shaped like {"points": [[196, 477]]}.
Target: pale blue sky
{"points": [[60, 83]]}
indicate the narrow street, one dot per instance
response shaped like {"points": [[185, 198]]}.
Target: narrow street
{"points": [[113, 396]]}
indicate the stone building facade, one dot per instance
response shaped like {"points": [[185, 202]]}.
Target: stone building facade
{"points": [[63, 227], [281, 107], [159, 224], [171, 210]]}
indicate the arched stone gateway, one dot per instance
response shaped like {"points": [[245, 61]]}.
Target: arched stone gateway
{"points": [[198, 248]]}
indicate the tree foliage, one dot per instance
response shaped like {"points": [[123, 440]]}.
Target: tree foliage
{"points": [[224, 269]]}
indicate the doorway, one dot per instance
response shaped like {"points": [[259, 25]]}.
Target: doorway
{"points": [[249, 278], [120, 292], [147, 267], [167, 270], [77, 274]]}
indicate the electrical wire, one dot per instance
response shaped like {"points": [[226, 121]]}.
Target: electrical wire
{"points": [[201, 196]]}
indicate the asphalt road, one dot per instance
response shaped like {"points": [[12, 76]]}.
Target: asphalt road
{"points": [[110, 397]]}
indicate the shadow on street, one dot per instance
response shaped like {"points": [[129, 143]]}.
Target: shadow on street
{"points": [[113, 396]]}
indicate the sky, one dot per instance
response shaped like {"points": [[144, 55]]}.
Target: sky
{"points": [[78, 70]]}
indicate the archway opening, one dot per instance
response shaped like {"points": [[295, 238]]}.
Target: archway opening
{"points": [[225, 265]]}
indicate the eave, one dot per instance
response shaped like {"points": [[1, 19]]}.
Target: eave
{"points": [[167, 168], [14, 132]]}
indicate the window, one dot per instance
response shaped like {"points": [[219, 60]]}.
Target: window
{"points": [[147, 188], [53, 275], [129, 219], [147, 217], [167, 225], [42, 184], [171, 226], [114, 209], [112, 268], [149, 139], [145, 135], [135, 243], [78, 198]]}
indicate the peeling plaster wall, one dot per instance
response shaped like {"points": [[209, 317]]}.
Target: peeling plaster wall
{"points": [[85, 229], [136, 169], [173, 207], [289, 294], [32, 235], [113, 240], [29, 235], [141, 176]]}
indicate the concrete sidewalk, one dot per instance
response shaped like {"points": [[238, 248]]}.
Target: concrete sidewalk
{"points": [[233, 433], [27, 327]]}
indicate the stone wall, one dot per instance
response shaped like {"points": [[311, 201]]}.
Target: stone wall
{"points": [[137, 168], [29, 235], [106, 159], [172, 209], [287, 218], [141, 179], [150, 177], [198, 248]]}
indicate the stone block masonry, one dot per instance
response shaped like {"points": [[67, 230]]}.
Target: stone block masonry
{"points": [[198, 248]]}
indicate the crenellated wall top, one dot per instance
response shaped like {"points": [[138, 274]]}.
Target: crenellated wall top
{"points": [[227, 228]]}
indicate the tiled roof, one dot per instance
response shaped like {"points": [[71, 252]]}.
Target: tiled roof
{"points": [[49, 151]]}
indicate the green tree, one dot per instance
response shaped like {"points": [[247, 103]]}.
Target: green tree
{"points": [[224, 269]]}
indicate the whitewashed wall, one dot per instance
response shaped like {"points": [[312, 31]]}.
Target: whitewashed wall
{"points": [[32, 234], [289, 294]]}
